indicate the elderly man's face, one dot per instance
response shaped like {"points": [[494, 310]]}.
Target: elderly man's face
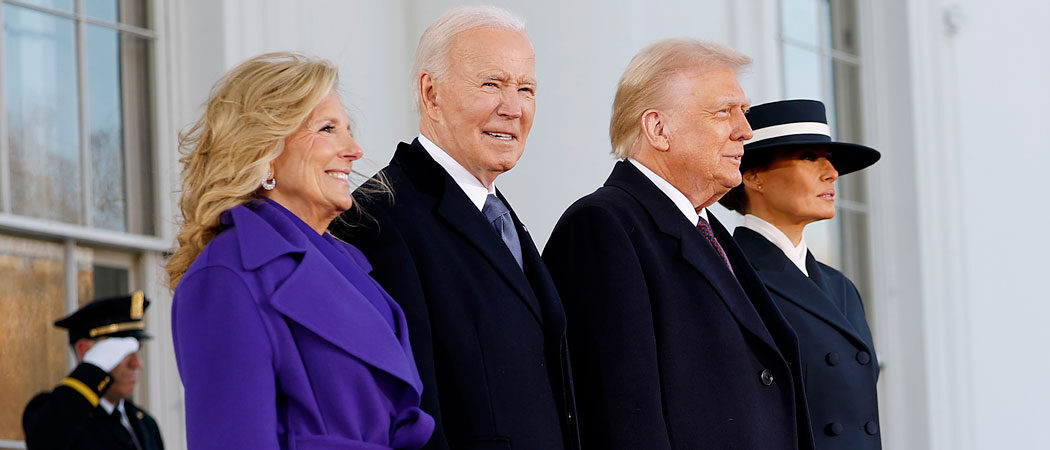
{"points": [[707, 131], [483, 107]]}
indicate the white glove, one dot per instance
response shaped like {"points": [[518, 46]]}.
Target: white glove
{"points": [[109, 352]]}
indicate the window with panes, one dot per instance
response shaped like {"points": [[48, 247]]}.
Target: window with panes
{"points": [[77, 197]]}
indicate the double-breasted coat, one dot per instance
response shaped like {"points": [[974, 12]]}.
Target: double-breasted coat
{"points": [[672, 350], [488, 335], [68, 418], [279, 348], [839, 366]]}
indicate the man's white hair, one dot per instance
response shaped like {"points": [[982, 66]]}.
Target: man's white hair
{"points": [[433, 49]]}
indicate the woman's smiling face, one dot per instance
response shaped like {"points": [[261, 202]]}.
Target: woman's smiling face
{"points": [[313, 171]]}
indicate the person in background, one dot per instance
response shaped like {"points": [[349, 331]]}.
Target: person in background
{"points": [[91, 408], [789, 170], [487, 325], [677, 344], [281, 338]]}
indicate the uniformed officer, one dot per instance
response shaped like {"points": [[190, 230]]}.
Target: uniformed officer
{"points": [[90, 408]]}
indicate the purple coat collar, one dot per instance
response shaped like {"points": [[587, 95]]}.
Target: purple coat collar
{"points": [[316, 296]]}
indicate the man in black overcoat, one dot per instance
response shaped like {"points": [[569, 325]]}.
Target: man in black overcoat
{"points": [[675, 342], [485, 322], [91, 408]]}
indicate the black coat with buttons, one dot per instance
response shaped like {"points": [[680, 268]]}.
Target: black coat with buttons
{"points": [[671, 350], [838, 357]]}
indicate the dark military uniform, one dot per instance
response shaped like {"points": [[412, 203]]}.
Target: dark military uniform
{"points": [[70, 416]]}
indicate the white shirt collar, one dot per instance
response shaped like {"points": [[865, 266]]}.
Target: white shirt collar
{"points": [[476, 192], [106, 405], [796, 254], [672, 193]]}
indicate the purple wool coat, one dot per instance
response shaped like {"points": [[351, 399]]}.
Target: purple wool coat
{"points": [[277, 349]]}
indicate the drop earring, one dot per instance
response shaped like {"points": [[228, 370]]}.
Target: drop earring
{"points": [[269, 182]]}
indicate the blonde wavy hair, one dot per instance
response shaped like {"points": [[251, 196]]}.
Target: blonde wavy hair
{"points": [[644, 84], [228, 151]]}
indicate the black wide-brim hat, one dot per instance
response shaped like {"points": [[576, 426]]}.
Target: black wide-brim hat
{"points": [[790, 124], [108, 317]]}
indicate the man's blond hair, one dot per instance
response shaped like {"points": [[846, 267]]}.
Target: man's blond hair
{"points": [[645, 82]]}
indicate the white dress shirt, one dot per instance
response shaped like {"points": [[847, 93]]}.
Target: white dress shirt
{"points": [[476, 192], [676, 196], [795, 253]]}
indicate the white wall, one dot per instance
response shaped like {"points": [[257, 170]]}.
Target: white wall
{"points": [[1000, 61], [959, 93]]}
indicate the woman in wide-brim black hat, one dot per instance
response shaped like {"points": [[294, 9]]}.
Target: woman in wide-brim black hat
{"points": [[789, 170]]}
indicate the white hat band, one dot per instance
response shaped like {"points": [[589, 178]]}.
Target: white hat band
{"points": [[786, 129]]}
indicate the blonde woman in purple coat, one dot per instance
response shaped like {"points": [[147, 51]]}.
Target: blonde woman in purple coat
{"points": [[282, 338]]}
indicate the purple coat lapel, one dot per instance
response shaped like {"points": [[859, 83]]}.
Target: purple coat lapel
{"points": [[316, 296]]}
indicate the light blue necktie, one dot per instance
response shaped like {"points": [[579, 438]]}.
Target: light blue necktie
{"points": [[499, 216]]}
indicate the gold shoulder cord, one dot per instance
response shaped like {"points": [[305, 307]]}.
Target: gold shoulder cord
{"points": [[82, 388]]}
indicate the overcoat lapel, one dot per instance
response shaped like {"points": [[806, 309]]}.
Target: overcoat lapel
{"points": [[457, 211], [816, 274], [318, 297], [782, 277], [694, 249], [833, 291]]}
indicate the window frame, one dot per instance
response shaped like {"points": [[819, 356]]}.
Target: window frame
{"points": [[86, 233]]}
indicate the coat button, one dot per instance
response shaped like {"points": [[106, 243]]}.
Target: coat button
{"points": [[833, 429], [871, 427], [831, 358], [863, 357], [767, 377]]}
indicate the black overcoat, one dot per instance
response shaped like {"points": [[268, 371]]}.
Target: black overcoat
{"points": [[838, 358], [66, 419], [670, 349], [488, 336]]}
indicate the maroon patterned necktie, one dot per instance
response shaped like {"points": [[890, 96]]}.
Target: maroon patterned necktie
{"points": [[705, 229]]}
